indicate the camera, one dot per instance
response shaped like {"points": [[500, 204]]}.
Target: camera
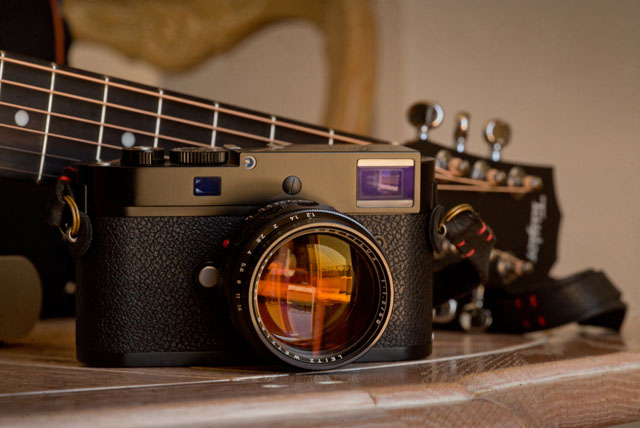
{"points": [[315, 256]]}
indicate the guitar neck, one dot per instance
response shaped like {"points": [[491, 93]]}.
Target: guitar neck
{"points": [[52, 116]]}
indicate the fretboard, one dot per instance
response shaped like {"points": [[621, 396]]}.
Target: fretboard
{"points": [[53, 116]]}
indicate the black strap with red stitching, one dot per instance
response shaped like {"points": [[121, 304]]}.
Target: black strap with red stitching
{"points": [[457, 273], [587, 297]]}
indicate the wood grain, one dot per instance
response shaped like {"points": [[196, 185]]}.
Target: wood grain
{"points": [[571, 377]]}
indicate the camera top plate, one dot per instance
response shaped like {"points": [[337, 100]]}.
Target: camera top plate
{"points": [[372, 179]]}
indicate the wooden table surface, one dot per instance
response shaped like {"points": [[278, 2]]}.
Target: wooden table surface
{"points": [[568, 377]]}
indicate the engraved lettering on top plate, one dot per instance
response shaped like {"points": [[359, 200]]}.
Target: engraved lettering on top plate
{"points": [[47, 120]]}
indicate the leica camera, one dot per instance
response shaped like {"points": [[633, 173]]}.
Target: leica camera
{"points": [[315, 256]]}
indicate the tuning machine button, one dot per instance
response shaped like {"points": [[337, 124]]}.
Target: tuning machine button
{"points": [[461, 131], [510, 267], [497, 133], [425, 116], [482, 171], [474, 317], [519, 178], [455, 165], [446, 312]]}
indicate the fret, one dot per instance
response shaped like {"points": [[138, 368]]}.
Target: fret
{"points": [[129, 128], [52, 116], [47, 123], [75, 113], [215, 124], [20, 148], [1, 69], [103, 110], [155, 140], [272, 129], [23, 118], [15, 76], [197, 131]]}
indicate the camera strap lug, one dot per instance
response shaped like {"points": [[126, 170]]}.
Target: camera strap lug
{"points": [[75, 226], [436, 232]]}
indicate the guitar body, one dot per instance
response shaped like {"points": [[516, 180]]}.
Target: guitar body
{"points": [[27, 27], [525, 224]]}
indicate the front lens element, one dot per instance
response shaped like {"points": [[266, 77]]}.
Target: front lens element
{"points": [[317, 294]]}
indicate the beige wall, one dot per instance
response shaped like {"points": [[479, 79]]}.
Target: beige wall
{"points": [[565, 74]]}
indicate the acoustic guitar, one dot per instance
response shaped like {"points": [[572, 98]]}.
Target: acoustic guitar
{"points": [[53, 116]]}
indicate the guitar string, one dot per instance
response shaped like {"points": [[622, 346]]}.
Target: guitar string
{"points": [[446, 175], [467, 187], [142, 112], [482, 186], [267, 120], [470, 184]]}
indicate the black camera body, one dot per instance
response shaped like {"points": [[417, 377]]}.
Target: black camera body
{"points": [[314, 255]]}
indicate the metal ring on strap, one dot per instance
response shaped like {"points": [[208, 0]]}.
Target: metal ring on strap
{"points": [[73, 230], [453, 212]]}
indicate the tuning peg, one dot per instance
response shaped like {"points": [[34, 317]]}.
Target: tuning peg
{"points": [[474, 317], [425, 116], [497, 133], [455, 165], [446, 312], [482, 171], [518, 177], [509, 267], [461, 131]]}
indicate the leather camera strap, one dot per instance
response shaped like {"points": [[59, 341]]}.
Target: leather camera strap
{"points": [[587, 297]]}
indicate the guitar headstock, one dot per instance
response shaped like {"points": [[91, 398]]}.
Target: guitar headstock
{"points": [[517, 200]]}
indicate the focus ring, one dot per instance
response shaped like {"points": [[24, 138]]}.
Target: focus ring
{"points": [[254, 250]]}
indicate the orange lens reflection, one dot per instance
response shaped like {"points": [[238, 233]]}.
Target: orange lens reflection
{"points": [[317, 293]]}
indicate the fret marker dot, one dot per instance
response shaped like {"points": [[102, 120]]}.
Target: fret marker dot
{"points": [[128, 139], [21, 118]]}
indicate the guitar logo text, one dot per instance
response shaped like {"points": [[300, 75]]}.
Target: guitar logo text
{"points": [[534, 228]]}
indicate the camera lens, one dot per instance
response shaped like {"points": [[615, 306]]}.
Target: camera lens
{"points": [[311, 287]]}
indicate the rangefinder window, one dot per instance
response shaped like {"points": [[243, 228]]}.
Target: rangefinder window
{"points": [[385, 183]]}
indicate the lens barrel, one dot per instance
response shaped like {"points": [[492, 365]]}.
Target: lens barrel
{"points": [[308, 285]]}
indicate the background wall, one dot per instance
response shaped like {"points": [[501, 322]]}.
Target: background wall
{"points": [[565, 74]]}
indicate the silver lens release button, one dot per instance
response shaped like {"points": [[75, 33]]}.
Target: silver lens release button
{"points": [[208, 277]]}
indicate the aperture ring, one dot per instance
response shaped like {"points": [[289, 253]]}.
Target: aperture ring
{"points": [[256, 248]]}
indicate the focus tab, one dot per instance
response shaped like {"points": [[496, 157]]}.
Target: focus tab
{"points": [[142, 156]]}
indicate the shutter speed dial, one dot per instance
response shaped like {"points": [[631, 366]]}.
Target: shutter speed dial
{"points": [[142, 156], [199, 156]]}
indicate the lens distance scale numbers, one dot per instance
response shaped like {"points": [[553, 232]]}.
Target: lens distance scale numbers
{"points": [[277, 310]]}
